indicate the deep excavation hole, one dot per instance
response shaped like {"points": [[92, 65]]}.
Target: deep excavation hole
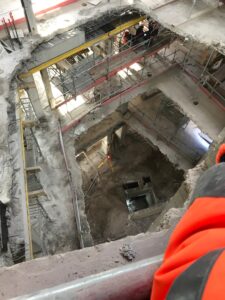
{"points": [[127, 180], [127, 187], [111, 130], [135, 177]]}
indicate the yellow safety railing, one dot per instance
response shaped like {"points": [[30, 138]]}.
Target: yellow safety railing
{"points": [[84, 46]]}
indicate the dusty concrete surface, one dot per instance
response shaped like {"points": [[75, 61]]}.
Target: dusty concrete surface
{"points": [[206, 114], [161, 121], [49, 271], [190, 21], [60, 233], [106, 208], [96, 132]]}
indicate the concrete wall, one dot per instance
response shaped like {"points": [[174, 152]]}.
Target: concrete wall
{"points": [[181, 199]]}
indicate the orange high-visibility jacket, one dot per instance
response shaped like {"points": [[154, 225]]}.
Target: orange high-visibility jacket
{"points": [[193, 267]]}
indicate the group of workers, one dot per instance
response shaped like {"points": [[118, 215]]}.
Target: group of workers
{"points": [[193, 267], [140, 33]]}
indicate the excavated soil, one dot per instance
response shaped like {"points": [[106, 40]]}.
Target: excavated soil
{"points": [[106, 208]]}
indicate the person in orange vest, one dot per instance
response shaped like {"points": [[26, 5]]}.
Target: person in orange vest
{"points": [[193, 267]]}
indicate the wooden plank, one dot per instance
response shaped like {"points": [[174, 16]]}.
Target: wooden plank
{"points": [[29, 123], [33, 169], [36, 193]]}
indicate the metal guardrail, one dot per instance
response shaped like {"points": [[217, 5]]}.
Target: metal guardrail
{"points": [[130, 282], [28, 139], [83, 46], [70, 79]]}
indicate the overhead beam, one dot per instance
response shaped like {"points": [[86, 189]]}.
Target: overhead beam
{"points": [[36, 194], [82, 47]]}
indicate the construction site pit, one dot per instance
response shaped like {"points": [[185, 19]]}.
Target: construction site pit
{"points": [[104, 152], [126, 190]]}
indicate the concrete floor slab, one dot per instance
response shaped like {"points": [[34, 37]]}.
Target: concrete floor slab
{"points": [[184, 92], [190, 21]]}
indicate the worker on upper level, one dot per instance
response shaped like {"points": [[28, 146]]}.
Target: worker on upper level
{"points": [[193, 267]]}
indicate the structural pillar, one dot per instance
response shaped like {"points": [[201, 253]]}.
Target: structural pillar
{"points": [[31, 89], [29, 15], [47, 85]]}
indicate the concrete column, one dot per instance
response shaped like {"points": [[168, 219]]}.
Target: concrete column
{"points": [[31, 89], [47, 85], [30, 17]]}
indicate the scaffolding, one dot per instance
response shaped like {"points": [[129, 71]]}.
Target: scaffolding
{"points": [[205, 80], [82, 76], [87, 75], [32, 155]]}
